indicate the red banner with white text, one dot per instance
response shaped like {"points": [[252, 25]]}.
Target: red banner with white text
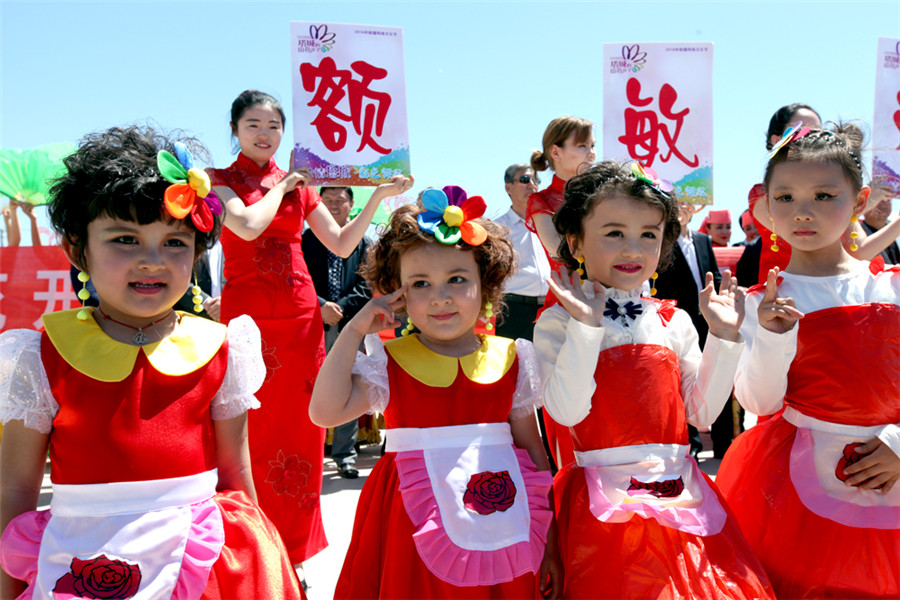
{"points": [[33, 280]]}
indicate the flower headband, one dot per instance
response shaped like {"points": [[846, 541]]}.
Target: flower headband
{"points": [[448, 216], [792, 133], [191, 192], [649, 176]]}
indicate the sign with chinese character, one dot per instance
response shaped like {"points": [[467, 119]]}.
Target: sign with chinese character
{"points": [[33, 280], [886, 124], [657, 110], [349, 101]]}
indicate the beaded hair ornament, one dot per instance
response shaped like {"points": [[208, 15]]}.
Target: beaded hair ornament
{"points": [[449, 215], [795, 132], [191, 192]]}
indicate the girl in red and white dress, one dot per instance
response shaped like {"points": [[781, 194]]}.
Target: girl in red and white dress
{"points": [[567, 145], [143, 409], [814, 489], [636, 517], [459, 505]]}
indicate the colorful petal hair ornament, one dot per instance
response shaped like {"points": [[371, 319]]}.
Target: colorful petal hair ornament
{"points": [[190, 192], [649, 176], [448, 216], [792, 133]]}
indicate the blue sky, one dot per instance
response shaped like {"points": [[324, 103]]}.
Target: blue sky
{"points": [[483, 78]]}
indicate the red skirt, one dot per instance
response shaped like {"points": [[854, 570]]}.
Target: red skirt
{"points": [[805, 555], [641, 558]]}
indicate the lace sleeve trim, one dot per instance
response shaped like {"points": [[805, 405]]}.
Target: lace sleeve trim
{"points": [[372, 369], [527, 396], [245, 372], [24, 387]]}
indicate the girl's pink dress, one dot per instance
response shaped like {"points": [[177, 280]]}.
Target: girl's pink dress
{"points": [[135, 512], [453, 509], [836, 380], [636, 517], [267, 279]]}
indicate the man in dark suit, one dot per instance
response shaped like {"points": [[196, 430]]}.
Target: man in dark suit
{"points": [[342, 293], [692, 258]]}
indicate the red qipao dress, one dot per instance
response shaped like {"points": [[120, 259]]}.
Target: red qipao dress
{"points": [[836, 376], [267, 279], [135, 512], [548, 201], [453, 509], [636, 516]]}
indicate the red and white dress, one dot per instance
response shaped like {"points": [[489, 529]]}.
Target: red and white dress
{"points": [[836, 374], [135, 512], [453, 509], [636, 516]]}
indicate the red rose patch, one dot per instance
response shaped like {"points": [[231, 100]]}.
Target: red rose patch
{"points": [[670, 488], [99, 578], [488, 492]]}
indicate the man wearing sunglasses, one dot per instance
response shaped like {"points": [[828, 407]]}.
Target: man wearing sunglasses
{"points": [[525, 291]]}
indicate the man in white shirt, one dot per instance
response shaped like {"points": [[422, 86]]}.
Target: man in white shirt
{"points": [[525, 290]]}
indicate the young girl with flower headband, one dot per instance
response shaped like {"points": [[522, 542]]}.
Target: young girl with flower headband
{"points": [[567, 145], [636, 517], [143, 409], [458, 507], [814, 488]]}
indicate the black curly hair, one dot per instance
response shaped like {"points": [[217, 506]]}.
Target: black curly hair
{"points": [[605, 180], [113, 173]]}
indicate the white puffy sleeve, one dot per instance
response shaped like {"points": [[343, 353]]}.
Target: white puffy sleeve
{"points": [[372, 370], [245, 371], [567, 352], [527, 396], [24, 388], [761, 379], [707, 377]]}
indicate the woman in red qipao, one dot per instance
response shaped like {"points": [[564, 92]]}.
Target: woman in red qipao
{"points": [[568, 143], [636, 516], [266, 277], [814, 487]]}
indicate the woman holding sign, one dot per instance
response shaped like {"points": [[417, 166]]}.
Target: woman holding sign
{"points": [[265, 208]]}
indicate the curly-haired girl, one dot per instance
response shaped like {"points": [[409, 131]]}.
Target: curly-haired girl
{"points": [[456, 508]]}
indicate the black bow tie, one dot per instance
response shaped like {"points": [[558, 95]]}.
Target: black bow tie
{"points": [[629, 309]]}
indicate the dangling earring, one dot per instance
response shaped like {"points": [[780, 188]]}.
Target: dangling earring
{"points": [[409, 327], [653, 279], [773, 237], [198, 299], [83, 294], [853, 235], [580, 269], [488, 313]]}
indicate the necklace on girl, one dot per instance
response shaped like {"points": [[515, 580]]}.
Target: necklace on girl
{"points": [[139, 338]]}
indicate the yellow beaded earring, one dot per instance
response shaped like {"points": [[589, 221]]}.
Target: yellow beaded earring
{"points": [[197, 299], [409, 327], [653, 279], [488, 313], [83, 294], [853, 234], [580, 269], [773, 237]]}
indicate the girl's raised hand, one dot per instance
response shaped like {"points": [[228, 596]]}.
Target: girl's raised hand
{"points": [[723, 311], [566, 286], [296, 178], [396, 186], [379, 313], [778, 315], [879, 467]]}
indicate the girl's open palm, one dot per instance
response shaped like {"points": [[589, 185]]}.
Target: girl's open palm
{"points": [[723, 311], [566, 287], [379, 313], [778, 315]]}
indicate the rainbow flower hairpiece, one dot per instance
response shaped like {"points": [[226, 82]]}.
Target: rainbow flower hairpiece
{"points": [[649, 176], [792, 133], [448, 216], [191, 192]]}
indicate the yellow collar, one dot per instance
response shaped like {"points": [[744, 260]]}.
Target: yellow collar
{"points": [[487, 364], [90, 351]]}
